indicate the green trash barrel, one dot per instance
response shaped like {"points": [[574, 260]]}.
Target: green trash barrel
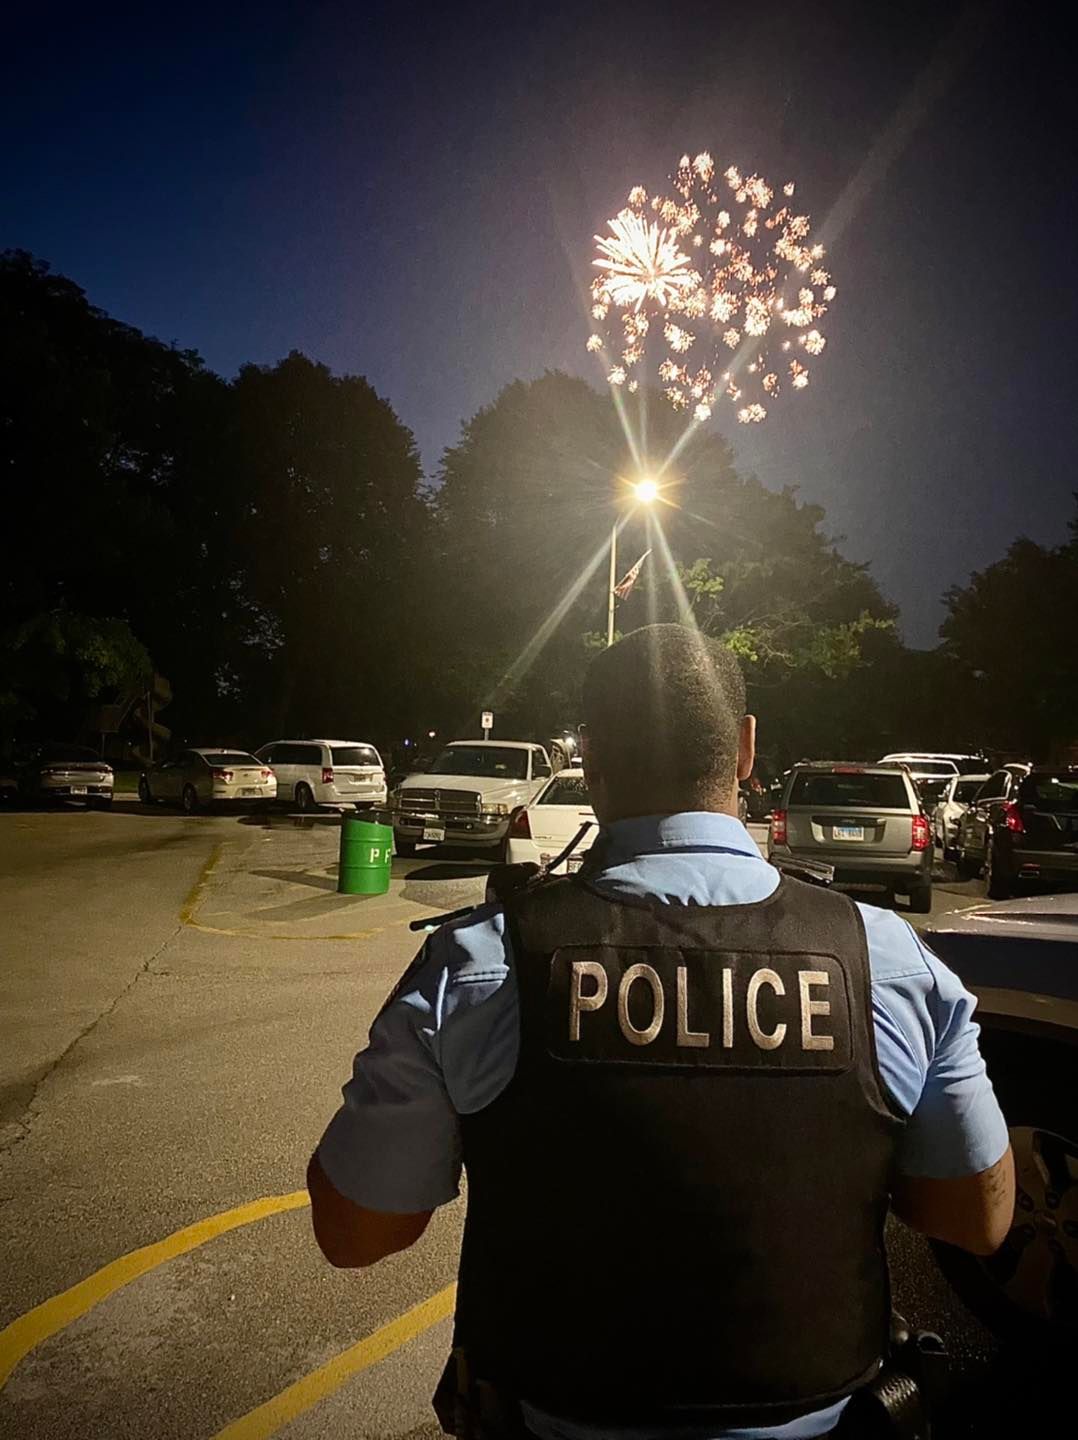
{"points": [[366, 853]]}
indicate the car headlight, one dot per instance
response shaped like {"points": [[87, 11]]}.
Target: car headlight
{"points": [[497, 810]]}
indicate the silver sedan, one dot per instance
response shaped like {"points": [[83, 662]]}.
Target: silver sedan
{"points": [[197, 779]]}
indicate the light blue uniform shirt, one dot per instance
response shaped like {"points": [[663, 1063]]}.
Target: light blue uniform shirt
{"points": [[447, 1045]]}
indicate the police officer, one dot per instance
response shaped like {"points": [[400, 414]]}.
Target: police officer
{"points": [[685, 1090]]}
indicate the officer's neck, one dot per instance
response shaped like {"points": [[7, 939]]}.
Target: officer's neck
{"points": [[663, 808]]}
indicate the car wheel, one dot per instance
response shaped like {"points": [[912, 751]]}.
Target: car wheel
{"points": [[190, 799], [921, 900], [996, 884], [1028, 1290], [404, 848], [304, 798], [144, 792]]}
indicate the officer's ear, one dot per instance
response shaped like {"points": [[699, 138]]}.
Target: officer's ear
{"points": [[746, 747]]}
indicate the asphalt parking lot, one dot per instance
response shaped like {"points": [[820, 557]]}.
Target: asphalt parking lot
{"points": [[182, 997]]}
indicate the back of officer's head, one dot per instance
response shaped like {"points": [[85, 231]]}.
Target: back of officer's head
{"points": [[663, 710]]}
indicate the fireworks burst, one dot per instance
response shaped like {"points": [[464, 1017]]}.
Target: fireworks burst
{"points": [[642, 262], [725, 266]]}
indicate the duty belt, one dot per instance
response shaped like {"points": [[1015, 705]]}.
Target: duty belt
{"points": [[896, 1406]]}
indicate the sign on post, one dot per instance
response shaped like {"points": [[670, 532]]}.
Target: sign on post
{"points": [[488, 723]]}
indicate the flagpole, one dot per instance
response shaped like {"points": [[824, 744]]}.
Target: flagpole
{"points": [[613, 581]]}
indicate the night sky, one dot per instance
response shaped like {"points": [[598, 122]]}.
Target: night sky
{"points": [[409, 192]]}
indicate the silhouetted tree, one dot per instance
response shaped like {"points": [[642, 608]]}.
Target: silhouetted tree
{"points": [[1011, 633]]}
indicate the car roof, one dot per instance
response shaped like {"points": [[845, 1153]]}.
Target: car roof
{"points": [[927, 755], [859, 766], [568, 772], [219, 750], [501, 744], [316, 740]]}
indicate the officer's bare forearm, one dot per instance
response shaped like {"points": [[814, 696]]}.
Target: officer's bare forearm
{"points": [[349, 1235], [973, 1212]]}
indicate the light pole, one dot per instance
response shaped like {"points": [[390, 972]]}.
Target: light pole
{"points": [[644, 491]]}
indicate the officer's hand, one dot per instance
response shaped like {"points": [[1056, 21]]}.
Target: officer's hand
{"points": [[505, 880]]}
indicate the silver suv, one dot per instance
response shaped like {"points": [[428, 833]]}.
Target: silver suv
{"points": [[865, 820]]}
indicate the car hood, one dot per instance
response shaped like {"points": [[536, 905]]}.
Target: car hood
{"points": [[491, 789], [1051, 917]]}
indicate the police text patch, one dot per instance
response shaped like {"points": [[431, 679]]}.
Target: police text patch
{"points": [[698, 1008]]}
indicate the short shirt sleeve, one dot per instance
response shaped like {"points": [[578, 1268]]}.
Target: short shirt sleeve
{"points": [[444, 1042], [929, 1057]]}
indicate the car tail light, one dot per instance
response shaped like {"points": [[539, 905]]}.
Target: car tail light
{"points": [[327, 775], [1012, 817], [267, 774], [225, 775], [778, 827], [922, 836], [520, 826]]}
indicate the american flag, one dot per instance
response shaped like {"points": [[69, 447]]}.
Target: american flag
{"points": [[622, 589]]}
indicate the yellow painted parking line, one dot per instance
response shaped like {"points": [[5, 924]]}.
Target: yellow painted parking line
{"points": [[194, 895], [29, 1330], [189, 912], [268, 1418]]}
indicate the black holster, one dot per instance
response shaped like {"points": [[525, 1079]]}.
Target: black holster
{"points": [[472, 1409]]}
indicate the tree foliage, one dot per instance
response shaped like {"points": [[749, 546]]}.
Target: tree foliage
{"points": [[1011, 633]]}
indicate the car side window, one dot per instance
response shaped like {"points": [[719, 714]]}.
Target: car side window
{"points": [[269, 753], [308, 755], [995, 787], [540, 765]]}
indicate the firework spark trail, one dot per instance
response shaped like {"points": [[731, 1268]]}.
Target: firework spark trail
{"points": [[725, 270]]}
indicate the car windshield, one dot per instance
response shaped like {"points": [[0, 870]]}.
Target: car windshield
{"points": [[353, 755], [230, 757], [491, 762], [566, 790], [850, 790], [965, 790], [67, 753], [1055, 793]]}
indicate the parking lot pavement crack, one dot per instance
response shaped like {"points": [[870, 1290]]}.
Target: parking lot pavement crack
{"points": [[17, 1128]]}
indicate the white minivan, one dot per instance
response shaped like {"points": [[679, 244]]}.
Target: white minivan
{"points": [[326, 772]]}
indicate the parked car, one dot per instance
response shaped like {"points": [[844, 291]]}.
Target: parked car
{"points": [[1023, 828], [469, 795], [205, 777], [65, 772], [326, 772], [1020, 959], [923, 766], [952, 804], [542, 829], [975, 825], [865, 820]]}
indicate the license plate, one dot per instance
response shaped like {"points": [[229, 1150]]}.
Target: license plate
{"points": [[433, 832], [251, 790], [78, 789], [849, 832]]}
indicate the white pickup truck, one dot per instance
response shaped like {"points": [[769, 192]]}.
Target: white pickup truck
{"points": [[469, 795]]}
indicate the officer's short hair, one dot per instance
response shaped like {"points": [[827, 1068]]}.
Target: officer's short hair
{"points": [[663, 708]]}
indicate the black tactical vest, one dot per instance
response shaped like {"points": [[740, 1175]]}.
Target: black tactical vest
{"points": [[676, 1206]]}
